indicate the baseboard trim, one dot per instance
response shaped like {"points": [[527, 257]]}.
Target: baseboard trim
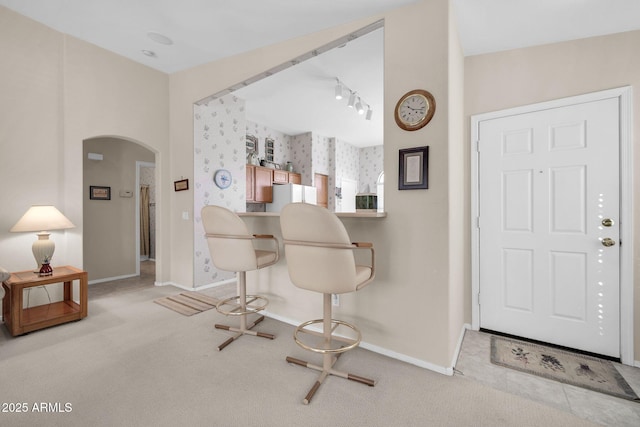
{"points": [[216, 284], [199, 288], [456, 353], [377, 349], [109, 279]]}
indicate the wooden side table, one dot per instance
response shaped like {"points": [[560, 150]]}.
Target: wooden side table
{"points": [[21, 320]]}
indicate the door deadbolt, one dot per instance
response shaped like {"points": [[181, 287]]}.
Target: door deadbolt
{"points": [[607, 222], [608, 242]]}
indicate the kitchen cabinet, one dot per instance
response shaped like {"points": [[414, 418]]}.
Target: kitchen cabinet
{"points": [[295, 178], [284, 177], [259, 182], [321, 182], [280, 177]]}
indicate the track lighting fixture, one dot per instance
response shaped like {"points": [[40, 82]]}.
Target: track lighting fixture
{"points": [[355, 101], [369, 113], [338, 90], [359, 107], [352, 100]]}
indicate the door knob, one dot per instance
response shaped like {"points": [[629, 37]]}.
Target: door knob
{"points": [[608, 242], [607, 222]]}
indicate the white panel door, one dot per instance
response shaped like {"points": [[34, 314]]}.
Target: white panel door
{"points": [[548, 200]]}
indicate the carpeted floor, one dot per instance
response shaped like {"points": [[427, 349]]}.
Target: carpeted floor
{"points": [[134, 363]]}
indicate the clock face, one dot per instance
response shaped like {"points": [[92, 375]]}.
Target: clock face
{"points": [[222, 178], [415, 109]]}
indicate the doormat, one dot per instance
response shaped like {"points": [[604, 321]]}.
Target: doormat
{"points": [[559, 365], [188, 303]]}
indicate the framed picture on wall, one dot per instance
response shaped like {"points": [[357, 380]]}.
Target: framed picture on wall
{"points": [[252, 144], [413, 168], [269, 146], [97, 192], [181, 185]]}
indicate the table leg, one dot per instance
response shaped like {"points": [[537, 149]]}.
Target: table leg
{"points": [[68, 291], [16, 309]]}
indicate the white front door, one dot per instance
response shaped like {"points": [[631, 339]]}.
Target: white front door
{"points": [[548, 201]]}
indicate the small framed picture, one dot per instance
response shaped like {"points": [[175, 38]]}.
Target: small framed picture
{"points": [[269, 146], [99, 193], [413, 168], [181, 185], [252, 144]]}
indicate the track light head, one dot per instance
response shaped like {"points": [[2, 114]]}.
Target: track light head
{"points": [[338, 90], [359, 106], [369, 113], [352, 100]]}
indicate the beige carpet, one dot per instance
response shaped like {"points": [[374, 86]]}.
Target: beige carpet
{"points": [[568, 367], [135, 363], [188, 303]]}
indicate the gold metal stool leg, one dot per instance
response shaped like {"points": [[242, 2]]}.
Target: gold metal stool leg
{"points": [[329, 355], [242, 309]]}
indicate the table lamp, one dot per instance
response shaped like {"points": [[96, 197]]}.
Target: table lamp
{"points": [[42, 219]]}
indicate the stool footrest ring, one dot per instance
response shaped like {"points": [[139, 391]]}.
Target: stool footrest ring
{"points": [[253, 304], [351, 342]]}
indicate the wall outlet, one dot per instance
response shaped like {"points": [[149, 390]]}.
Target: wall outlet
{"points": [[335, 300]]}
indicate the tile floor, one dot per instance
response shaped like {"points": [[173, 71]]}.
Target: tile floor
{"points": [[474, 363]]}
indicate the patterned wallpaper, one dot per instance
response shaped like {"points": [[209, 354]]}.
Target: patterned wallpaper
{"points": [[347, 165], [324, 162], [219, 143], [282, 142], [220, 129], [371, 165], [301, 156]]}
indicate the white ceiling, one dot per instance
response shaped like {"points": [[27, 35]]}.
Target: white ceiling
{"points": [[206, 30]]}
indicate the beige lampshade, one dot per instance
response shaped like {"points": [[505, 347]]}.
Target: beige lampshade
{"points": [[42, 219]]}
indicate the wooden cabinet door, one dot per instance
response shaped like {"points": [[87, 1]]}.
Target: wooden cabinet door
{"points": [[280, 177], [263, 183], [321, 182], [251, 180], [295, 178]]}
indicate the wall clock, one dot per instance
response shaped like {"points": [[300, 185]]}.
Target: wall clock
{"points": [[222, 178], [415, 109]]}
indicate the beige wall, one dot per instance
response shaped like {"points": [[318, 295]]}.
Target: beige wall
{"points": [[30, 133], [58, 91], [406, 310], [525, 76], [109, 225], [459, 252]]}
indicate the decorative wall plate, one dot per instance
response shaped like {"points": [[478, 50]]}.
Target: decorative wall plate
{"points": [[222, 178]]}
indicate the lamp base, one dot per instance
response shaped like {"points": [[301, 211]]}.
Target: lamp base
{"points": [[43, 249], [45, 270]]}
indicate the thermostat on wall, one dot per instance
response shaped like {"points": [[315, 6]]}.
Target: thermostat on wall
{"points": [[126, 193]]}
